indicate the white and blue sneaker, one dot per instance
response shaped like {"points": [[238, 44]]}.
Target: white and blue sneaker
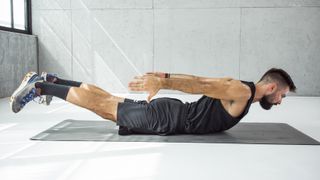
{"points": [[48, 78], [26, 92]]}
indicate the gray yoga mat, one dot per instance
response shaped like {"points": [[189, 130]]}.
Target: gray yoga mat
{"points": [[243, 133]]}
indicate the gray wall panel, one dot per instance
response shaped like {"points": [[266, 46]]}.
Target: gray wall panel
{"points": [[91, 40], [110, 47], [53, 28], [18, 55], [198, 42], [287, 38]]}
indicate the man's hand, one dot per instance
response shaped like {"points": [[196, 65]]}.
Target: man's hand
{"points": [[149, 83]]}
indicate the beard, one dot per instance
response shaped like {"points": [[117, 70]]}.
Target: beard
{"points": [[265, 104]]}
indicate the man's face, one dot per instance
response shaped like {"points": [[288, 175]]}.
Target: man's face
{"points": [[273, 99]]}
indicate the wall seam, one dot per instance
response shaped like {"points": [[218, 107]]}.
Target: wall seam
{"points": [[153, 38], [71, 50], [240, 45], [38, 51]]}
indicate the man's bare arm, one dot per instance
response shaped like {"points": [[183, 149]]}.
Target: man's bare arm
{"points": [[172, 75], [220, 88]]}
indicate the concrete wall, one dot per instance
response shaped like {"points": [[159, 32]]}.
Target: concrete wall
{"points": [[108, 42], [18, 55]]}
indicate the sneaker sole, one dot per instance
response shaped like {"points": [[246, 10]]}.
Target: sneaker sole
{"points": [[23, 84]]}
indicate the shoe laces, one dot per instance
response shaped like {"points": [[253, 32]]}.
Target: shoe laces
{"points": [[40, 100], [28, 97], [32, 95]]}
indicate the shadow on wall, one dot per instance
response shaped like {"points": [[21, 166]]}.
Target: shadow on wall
{"points": [[91, 62]]}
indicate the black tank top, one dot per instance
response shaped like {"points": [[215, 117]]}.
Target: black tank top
{"points": [[207, 115]]}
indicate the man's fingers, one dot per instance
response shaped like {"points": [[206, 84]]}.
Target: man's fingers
{"points": [[136, 81], [147, 75], [136, 89], [136, 85]]}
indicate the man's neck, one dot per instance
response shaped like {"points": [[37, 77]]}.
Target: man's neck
{"points": [[260, 92]]}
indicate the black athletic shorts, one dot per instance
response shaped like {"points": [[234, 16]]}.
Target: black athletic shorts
{"points": [[162, 116]]}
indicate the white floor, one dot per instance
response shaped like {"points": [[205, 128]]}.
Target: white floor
{"points": [[23, 159]]}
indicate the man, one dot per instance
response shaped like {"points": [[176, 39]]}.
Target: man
{"points": [[224, 103]]}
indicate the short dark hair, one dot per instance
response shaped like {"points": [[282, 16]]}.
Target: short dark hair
{"points": [[280, 76]]}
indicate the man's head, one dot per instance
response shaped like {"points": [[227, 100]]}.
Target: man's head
{"points": [[278, 83]]}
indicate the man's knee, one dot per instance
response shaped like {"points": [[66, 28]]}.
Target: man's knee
{"points": [[85, 86], [108, 116], [106, 108]]}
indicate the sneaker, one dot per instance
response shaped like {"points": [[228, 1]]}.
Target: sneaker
{"points": [[25, 92], [48, 78]]}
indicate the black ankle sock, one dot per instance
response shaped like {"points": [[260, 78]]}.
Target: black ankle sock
{"points": [[57, 90], [67, 82]]}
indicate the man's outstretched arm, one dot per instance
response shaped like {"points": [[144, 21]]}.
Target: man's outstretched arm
{"points": [[220, 88], [172, 75]]}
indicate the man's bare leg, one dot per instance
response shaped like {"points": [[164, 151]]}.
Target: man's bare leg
{"points": [[99, 91], [92, 88], [91, 98], [100, 102], [84, 95]]}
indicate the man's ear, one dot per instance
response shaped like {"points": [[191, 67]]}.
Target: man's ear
{"points": [[271, 88]]}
